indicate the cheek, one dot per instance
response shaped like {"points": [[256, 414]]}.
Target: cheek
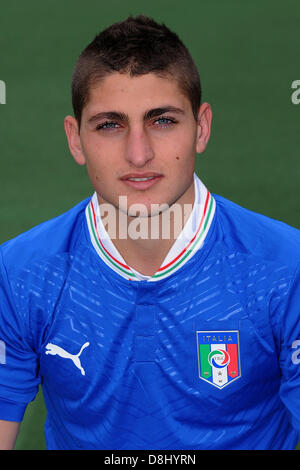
{"points": [[178, 153], [185, 145], [101, 156], [96, 160], [184, 159], [96, 171]]}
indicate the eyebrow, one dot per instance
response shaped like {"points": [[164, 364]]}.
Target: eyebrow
{"points": [[158, 111], [124, 117]]}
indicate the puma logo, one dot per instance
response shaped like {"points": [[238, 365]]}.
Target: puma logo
{"points": [[53, 349]]}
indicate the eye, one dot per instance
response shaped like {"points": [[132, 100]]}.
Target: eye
{"points": [[165, 121], [108, 125]]}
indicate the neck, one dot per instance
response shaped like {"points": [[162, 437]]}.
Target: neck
{"points": [[144, 242]]}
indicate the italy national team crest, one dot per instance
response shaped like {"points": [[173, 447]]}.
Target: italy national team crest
{"points": [[218, 357]]}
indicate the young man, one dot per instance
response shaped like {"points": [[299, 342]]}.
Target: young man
{"points": [[143, 340]]}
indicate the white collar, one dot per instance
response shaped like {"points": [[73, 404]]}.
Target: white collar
{"points": [[185, 246]]}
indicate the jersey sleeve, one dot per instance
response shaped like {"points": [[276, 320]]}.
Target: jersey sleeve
{"points": [[19, 377], [288, 328]]}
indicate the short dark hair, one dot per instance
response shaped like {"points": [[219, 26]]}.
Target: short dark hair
{"points": [[136, 46]]}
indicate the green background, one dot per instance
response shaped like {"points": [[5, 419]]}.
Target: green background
{"points": [[248, 56]]}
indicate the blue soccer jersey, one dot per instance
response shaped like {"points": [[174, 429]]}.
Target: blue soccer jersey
{"points": [[202, 355]]}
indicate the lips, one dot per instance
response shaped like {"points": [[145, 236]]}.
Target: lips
{"points": [[140, 175], [141, 181]]}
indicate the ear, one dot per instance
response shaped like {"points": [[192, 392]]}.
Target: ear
{"points": [[203, 127], [72, 133]]}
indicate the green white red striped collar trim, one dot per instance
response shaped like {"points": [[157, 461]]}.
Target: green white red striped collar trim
{"points": [[182, 250]]}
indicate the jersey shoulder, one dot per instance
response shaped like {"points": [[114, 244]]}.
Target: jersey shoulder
{"points": [[55, 236], [258, 235]]}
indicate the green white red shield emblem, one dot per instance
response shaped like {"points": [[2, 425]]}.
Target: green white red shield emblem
{"points": [[219, 357]]}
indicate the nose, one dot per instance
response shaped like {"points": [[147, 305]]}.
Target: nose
{"points": [[138, 149]]}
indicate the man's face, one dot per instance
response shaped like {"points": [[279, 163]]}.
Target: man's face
{"points": [[138, 138]]}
